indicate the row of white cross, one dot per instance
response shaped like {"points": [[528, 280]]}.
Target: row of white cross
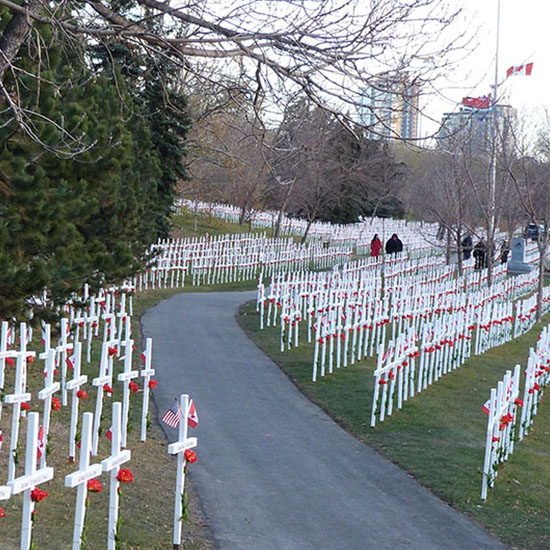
{"points": [[349, 310], [502, 409], [232, 258], [68, 354]]}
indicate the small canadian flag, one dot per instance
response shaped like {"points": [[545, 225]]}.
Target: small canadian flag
{"points": [[521, 70], [192, 416], [1, 439], [109, 434], [40, 446]]}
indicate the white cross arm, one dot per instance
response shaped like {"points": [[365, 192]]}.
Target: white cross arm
{"points": [[27, 481], [17, 398], [5, 492], [112, 462], [181, 446], [80, 476], [101, 381], [123, 376], [77, 382], [147, 372], [46, 392]]}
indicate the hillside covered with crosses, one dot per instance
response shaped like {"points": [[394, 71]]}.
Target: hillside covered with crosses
{"points": [[153, 150]]}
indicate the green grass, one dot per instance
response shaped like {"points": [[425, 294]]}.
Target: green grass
{"points": [[189, 225], [439, 435]]}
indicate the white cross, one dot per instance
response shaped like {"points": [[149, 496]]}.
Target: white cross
{"points": [[4, 353], [92, 321], [178, 448], [30, 479], [103, 378], [125, 378], [18, 397], [146, 373], [74, 385], [62, 349], [80, 478], [46, 337], [50, 388], [112, 464]]}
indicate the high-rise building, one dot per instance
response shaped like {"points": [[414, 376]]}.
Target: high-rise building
{"points": [[389, 109], [473, 127]]}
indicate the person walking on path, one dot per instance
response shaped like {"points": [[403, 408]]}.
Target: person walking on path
{"points": [[375, 246], [467, 245], [480, 255], [394, 245]]}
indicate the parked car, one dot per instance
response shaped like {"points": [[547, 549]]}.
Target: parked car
{"points": [[532, 231]]}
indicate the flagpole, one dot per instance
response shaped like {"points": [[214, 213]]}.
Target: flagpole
{"points": [[493, 169]]}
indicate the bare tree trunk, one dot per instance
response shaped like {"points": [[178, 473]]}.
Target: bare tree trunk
{"points": [[14, 35], [541, 242], [282, 210], [460, 259], [448, 247], [309, 222]]}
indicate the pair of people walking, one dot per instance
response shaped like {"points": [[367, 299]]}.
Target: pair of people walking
{"points": [[393, 245]]}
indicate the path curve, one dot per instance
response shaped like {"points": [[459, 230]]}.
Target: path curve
{"points": [[274, 471]]}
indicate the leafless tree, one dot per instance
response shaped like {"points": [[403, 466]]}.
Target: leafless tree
{"points": [[440, 190], [527, 163], [226, 160], [330, 50]]}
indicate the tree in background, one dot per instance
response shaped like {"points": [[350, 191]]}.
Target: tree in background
{"points": [[527, 164], [157, 97], [329, 50], [69, 217], [325, 170]]}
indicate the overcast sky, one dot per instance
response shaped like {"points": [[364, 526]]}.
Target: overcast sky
{"points": [[524, 37]]}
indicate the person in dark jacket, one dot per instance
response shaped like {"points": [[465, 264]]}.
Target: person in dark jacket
{"points": [[504, 251], [467, 245], [480, 255], [394, 245], [375, 246]]}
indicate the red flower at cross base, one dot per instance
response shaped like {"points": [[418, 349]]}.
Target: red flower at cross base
{"points": [[81, 394], [2, 513], [190, 456], [37, 495], [56, 405], [133, 386], [94, 485], [107, 388], [153, 384], [125, 476]]}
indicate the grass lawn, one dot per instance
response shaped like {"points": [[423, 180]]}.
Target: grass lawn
{"points": [[189, 225], [439, 435]]}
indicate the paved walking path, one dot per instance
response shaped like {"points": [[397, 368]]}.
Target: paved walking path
{"points": [[274, 471]]}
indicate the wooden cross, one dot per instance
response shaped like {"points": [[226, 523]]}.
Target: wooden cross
{"points": [[146, 373], [27, 482], [178, 448], [74, 385], [105, 377], [4, 354], [19, 396], [62, 349], [45, 394], [125, 377], [80, 478], [112, 464]]}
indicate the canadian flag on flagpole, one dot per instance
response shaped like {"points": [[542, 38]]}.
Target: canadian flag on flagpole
{"points": [[40, 447], [522, 70], [192, 416]]}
